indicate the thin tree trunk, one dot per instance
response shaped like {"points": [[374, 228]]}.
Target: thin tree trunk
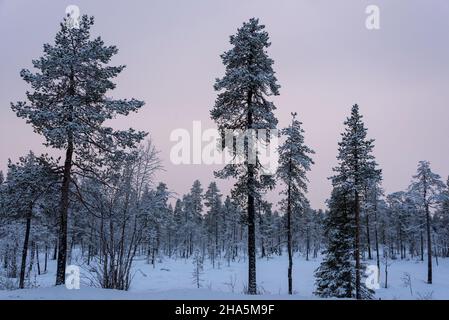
{"points": [[422, 246], [357, 246], [46, 258], [55, 251], [307, 243], [368, 238], [64, 205], [37, 260], [289, 241], [25, 250], [6, 257], [429, 247], [252, 284], [376, 239]]}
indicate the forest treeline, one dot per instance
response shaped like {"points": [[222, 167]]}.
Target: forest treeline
{"points": [[100, 199]]}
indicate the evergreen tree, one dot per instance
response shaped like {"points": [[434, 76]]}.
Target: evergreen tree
{"points": [[265, 227], [335, 275], [242, 106], [68, 106], [426, 188], [214, 219], [178, 216], [294, 163], [27, 182], [197, 274], [372, 194], [356, 167], [157, 210], [442, 220], [232, 222]]}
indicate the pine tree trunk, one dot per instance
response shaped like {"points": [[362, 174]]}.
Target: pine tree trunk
{"points": [[46, 258], [357, 246], [25, 250], [63, 212], [368, 239], [55, 251], [13, 273], [307, 243], [376, 239], [252, 284], [37, 260], [64, 205], [422, 245], [5, 257], [429, 247], [289, 241]]}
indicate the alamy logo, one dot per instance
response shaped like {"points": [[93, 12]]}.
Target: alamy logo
{"points": [[73, 16], [372, 279], [372, 22], [212, 146], [72, 280]]}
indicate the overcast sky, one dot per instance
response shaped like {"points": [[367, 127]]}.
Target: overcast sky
{"points": [[325, 59]]}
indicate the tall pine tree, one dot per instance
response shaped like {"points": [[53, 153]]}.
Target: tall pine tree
{"points": [[426, 188], [68, 106], [242, 106], [294, 163]]}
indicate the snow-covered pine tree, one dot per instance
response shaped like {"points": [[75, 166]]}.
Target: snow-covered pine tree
{"points": [[170, 232], [27, 182], [426, 188], [68, 106], [317, 231], [335, 275], [156, 208], [294, 162], [178, 216], [442, 220], [372, 194], [232, 222], [400, 220], [197, 274], [190, 230], [195, 209], [356, 167], [265, 227], [242, 105], [214, 221]]}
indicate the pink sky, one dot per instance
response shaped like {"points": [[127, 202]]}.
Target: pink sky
{"points": [[325, 59]]}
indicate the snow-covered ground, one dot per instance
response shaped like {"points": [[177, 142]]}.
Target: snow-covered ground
{"points": [[172, 279]]}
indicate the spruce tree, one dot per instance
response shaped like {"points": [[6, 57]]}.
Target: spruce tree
{"points": [[335, 275], [242, 106], [68, 106], [294, 162], [356, 167]]}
